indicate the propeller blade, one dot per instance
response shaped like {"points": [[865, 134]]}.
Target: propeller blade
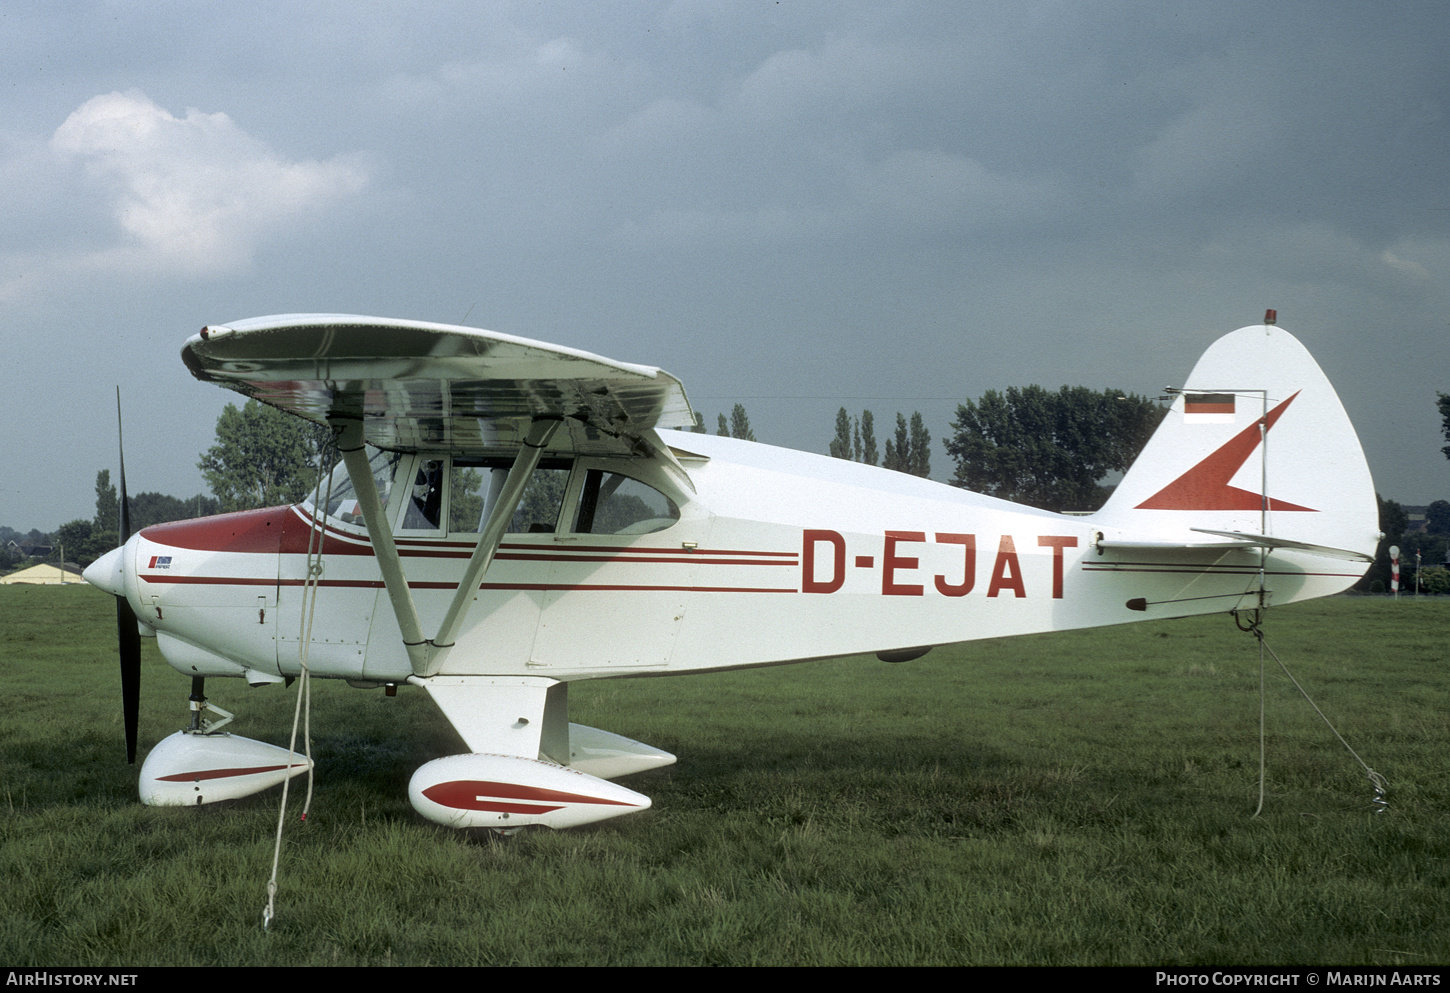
{"points": [[128, 636], [129, 642]]}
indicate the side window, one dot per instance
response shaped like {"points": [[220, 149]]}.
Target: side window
{"points": [[468, 493], [538, 511], [476, 483], [611, 503], [425, 500]]}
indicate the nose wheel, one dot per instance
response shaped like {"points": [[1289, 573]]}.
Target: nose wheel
{"points": [[203, 764]]}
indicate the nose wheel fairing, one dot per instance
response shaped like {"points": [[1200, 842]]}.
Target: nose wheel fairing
{"points": [[190, 769]]}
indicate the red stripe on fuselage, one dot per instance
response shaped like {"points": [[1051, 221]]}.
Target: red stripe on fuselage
{"points": [[286, 530], [544, 587]]}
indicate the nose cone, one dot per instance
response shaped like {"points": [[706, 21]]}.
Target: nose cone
{"points": [[107, 572]]}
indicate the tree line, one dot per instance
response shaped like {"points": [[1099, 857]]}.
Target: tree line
{"points": [[83, 541], [1033, 446], [737, 426], [262, 458], [908, 451], [1424, 551], [1047, 449]]}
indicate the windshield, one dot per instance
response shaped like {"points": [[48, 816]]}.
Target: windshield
{"points": [[343, 503]]}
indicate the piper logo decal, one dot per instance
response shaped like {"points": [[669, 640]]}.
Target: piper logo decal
{"points": [[160, 562]]}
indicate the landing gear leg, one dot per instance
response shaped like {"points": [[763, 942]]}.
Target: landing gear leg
{"points": [[202, 764], [200, 724]]}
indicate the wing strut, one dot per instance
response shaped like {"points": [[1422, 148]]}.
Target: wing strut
{"points": [[426, 654], [499, 515], [355, 457]]}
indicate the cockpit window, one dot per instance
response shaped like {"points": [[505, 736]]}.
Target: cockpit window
{"points": [[425, 501], [343, 503], [538, 511], [468, 494], [611, 503], [608, 503], [477, 482]]}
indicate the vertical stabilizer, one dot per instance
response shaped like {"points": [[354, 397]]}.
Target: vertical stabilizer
{"points": [[1256, 442]]}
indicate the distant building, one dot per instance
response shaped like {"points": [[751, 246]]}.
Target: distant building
{"points": [[44, 574]]}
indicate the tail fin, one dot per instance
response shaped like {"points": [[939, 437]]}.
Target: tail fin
{"points": [[1256, 445]]}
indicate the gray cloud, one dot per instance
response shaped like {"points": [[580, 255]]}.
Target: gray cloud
{"points": [[799, 205], [194, 194]]}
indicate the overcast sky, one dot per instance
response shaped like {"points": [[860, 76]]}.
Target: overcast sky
{"points": [[797, 206]]}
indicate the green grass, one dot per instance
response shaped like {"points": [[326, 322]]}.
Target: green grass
{"points": [[1081, 798]]}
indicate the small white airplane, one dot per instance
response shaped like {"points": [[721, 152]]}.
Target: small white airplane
{"points": [[510, 516]]}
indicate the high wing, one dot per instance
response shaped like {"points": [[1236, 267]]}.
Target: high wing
{"points": [[418, 386]]}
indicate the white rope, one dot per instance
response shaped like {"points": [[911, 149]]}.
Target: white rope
{"points": [[1263, 748], [1380, 784], [303, 708]]}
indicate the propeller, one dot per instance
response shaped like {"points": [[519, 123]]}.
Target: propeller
{"points": [[128, 635]]}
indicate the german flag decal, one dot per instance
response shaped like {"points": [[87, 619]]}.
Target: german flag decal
{"points": [[1208, 403]]}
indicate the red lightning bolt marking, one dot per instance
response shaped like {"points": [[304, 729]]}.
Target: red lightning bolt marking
{"points": [[1205, 486]]}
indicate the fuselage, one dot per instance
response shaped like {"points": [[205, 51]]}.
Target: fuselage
{"points": [[754, 556]]}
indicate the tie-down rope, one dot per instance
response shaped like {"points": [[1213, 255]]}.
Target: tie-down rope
{"points": [[302, 712], [1380, 784]]}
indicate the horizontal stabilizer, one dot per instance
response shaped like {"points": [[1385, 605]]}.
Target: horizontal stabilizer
{"points": [[1243, 541], [1268, 541], [1171, 546]]}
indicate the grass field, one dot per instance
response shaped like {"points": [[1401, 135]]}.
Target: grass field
{"points": [[1081, 798]]}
